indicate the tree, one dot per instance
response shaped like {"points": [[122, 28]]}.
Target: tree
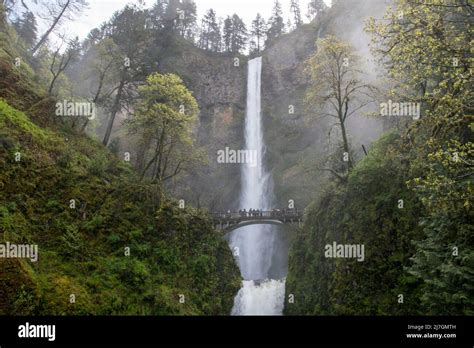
{"points": [[426, 49], [314, 8], [94, 37], [335, 86], [60, 62], [158, 14], [187, 19], [57, 12], [210, 38], [105, 61], [178, 16], [128, 31], [26, 27], [276, 23], [235, 34], [258, 33], [296, 11], [171, 16], [8, 6], [227, 34], [239, 34], [164, 117]]}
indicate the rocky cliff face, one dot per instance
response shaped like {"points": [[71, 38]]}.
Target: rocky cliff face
{"points": [[220, 89], [292, 144], [284, 87]]}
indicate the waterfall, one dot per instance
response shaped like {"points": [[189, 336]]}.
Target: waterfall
{"points": [[257, 244]]}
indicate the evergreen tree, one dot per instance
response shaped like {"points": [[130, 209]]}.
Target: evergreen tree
{"points": [[210, 32], [187, 19], [93, 38], [219, 40], [202, 35], [129, 34], [227, 34], [239, 34], [158, 15], [171, 12], [315, 7], [26, 27], [296, 11], [258, 33], [277, 25]]}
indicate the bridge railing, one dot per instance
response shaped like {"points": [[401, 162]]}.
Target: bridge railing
{"points": [[257, 215]]}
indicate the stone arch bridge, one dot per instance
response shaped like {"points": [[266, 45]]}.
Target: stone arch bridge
{"points": [[227, 222]]}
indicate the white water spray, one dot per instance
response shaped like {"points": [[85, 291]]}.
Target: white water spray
{"points": [[256, 243]]}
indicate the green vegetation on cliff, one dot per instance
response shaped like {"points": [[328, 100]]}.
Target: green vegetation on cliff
{"points": [[363, 211], [106, 244], [409, 201]]}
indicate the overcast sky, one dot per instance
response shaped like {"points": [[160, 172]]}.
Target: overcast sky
{"points": [[101, 10]]}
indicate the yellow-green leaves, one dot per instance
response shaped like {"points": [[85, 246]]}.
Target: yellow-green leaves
{"points": [[164, 120]]}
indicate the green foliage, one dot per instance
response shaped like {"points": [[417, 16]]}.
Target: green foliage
{"points": [[429, 60], [363, 211], [276, 25], [445, 257], [166, 113], [425, 250], [82, 250], [336, 92]]}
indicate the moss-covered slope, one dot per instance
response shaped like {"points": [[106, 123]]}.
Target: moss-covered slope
{"points": [[101, 234], [364, 211]]}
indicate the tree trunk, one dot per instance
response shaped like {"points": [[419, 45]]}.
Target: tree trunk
{"points": [[51, 86], [51, 28], [346, 144], [159, 174], [115, 109]]}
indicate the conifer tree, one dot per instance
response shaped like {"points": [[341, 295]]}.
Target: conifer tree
{"points": [[296, 11], [258, 33], [227, 34], [26, 27], [314, 8], [239, 34], [210, 37], [276, 23]]}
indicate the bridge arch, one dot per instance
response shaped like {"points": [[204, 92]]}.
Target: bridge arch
{"points": [[228, 222]]}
